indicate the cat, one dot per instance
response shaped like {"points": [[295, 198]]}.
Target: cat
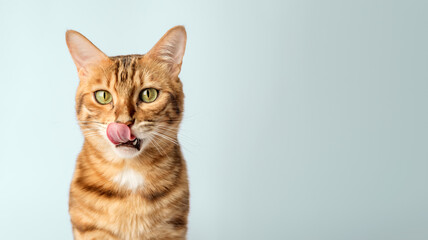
{"points": [[130, 180]]}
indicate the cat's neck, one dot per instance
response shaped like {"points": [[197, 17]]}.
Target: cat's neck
{"points": [[129, 174]]}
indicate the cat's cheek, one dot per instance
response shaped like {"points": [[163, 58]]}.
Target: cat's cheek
{"points": [[102, 142]]}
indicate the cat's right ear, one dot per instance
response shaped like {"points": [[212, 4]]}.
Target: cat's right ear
{"points": [[83, 51]]}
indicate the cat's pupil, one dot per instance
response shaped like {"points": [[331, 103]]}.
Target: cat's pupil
{"points": [[104, 95]]}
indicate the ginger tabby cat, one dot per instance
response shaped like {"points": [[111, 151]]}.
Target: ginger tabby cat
{"points": [[130, 180]]}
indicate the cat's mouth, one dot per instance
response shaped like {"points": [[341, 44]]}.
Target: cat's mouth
{"points": [[136, 143], [121, 136]]}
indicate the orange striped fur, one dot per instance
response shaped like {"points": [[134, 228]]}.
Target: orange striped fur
{"points": [[137, 194]]}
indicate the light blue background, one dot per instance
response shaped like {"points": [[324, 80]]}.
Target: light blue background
{"points": [[304, 119]]}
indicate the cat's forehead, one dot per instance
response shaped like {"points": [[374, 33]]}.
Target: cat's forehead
{"points": [[129, 69], [126, 59], [124, 65]]}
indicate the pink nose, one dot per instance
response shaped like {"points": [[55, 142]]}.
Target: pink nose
{"points": [[119, 133]]}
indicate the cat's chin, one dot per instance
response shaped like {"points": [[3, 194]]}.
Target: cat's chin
{"points": [[126, 152], [130, 149]]}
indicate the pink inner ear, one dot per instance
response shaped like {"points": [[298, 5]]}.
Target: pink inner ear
{"points": [[119, 133], [82, 50], [170, 48]]}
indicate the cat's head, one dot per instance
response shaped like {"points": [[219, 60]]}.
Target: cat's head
{"points": [[129, 104]]}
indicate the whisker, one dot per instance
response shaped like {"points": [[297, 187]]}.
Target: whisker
{"points": [[165, 121], [166, 137], [168, 130], [167, 141], [90, 122], [90, 129], [183, 137], [156, 144], [90, 135], [167, 127]]}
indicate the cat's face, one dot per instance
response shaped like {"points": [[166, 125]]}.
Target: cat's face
{"points": [[131, 104]]}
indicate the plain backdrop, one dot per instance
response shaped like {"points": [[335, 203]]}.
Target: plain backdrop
{"points": [[304, 120]]}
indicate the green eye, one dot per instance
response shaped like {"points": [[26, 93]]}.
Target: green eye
{"points": [[103, 97], [149, 95]]}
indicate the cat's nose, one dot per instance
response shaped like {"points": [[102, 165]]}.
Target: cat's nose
{"points": [[128, 122]]}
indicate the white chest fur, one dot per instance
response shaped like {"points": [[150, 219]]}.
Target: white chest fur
{"points": [[129, 179]]}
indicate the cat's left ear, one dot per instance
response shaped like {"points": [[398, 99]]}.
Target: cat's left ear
{"points": [[170, 49], [83, 51]]}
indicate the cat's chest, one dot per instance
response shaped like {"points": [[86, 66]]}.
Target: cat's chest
{"points": [[129, 179], [129, 218]]}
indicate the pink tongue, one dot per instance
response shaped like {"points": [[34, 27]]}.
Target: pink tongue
{"points": [[119, 133]]}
